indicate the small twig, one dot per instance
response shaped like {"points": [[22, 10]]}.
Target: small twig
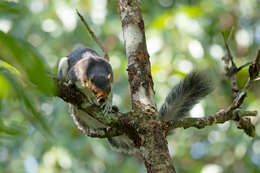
{"points": [[93, 35], [237, 102], [255, 67], [228, 49], [245, 124], [230, 34], [231, 71], [243, 113]]}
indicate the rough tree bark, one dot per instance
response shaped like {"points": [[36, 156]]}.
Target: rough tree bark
{"points": [[143, 124], [153, 143]]}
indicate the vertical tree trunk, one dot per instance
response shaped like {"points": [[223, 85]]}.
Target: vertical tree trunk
{"points": [[153, 143], [139, 69]]}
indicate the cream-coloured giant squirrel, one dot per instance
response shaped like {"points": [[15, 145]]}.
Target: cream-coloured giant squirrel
{"points": [[93, 76]]}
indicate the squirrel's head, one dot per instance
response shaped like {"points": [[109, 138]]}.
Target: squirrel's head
{"points": [[100, 87]]}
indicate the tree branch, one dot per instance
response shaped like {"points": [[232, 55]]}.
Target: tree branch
{"points": [[93, 35], [72, 95], [231, 73], [233, 112], [218, 118]]}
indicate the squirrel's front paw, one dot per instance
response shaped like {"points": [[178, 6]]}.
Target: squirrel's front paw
{"points": [[106, 108]]}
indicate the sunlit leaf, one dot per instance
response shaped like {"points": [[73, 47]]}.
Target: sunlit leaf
{"points": [[155, 68], [10, 67], [161, 21], [193, 11], [11, 8], [175, 71], [5, 87]]}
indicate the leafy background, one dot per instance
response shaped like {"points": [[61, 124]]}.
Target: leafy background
{"points": [[38, 135]]}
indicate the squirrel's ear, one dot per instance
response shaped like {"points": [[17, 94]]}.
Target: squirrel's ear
{"points": [[109, 76]]}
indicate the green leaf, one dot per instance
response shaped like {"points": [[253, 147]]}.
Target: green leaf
{"points": [[162, 20], [22, 56], [11, 8], [32, 114], [4, 87], [10, 67], [10, 130]]}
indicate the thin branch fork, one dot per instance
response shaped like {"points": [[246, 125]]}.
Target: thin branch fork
{"points": [[230, 66], [233, 112], [231, 73], [254, 69]]}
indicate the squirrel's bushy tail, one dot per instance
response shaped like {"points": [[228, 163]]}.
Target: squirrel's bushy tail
{"points": [[185, 95]]}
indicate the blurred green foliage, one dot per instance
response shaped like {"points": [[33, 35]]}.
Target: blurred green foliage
{"points": [[38, 135]]}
